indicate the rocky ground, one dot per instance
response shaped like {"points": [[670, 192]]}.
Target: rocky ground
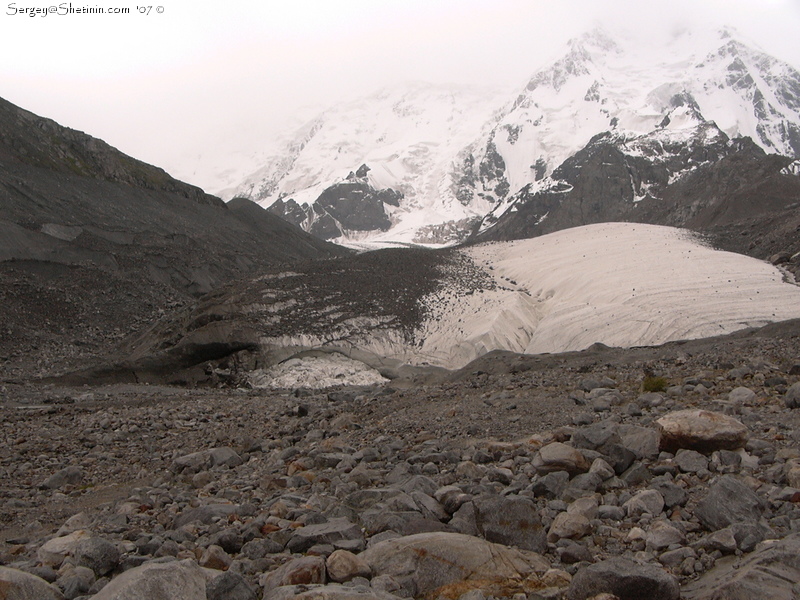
{"points": [[553, 476]]}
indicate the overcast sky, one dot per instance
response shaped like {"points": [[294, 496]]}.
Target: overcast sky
{"points": [[195, 77]]}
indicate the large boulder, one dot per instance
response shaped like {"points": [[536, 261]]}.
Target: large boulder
{"points": [[625, 579], [728, 502], [511, 521], [330, 532], [700, 430], [772, 571], [55, 550], [560, 457], [18, 585], [175, 580], [333, 591], [427, 563], [304, 570]]}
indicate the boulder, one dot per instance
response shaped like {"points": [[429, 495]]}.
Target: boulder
{"points": [[727, 502], [427, 563], [230, 586], [646, 501], [18, 585], [343, 566], [700, 430], [330, 532], [772, 571], [792, 397], [568, 525], [511, 521], [54, 551], [97, 554], [624, 579], [305, 570], [332, 591], [560, 457], [174, 580], [67, 476]]}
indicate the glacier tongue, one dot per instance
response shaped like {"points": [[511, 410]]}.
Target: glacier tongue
{"points": [[620, 284]]}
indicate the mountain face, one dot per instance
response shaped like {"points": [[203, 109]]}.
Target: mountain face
{"points": [[633, 120], [661, 132], [94, 243], [388, 156]]}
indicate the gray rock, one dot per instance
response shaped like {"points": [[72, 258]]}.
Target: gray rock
{"points": [[662, 534], [642, 441], [772, 571], [582, 485], [465, 520], [792, 397], [204, 514], [67, 476], [18, 585], [568, 526], [332, 591], [637, 474], [228, 539], [97, 554], [511, 521], [673, 494], [259, 548], [76, 581], [749, 535], [230, 586], [551, 485], [625, 579], [224, 456], [597, 436], [646, 501], [729, 501], [175, 580], [331, 532], [425, 563], [690, 461], [741, 396]]}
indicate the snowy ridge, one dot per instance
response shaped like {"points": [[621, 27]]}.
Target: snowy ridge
{"points": [[610, 85], [408, 137], [457, 155]]}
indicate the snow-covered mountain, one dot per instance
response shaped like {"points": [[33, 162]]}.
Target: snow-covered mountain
{"points": [[436, 160], [406, 136]]}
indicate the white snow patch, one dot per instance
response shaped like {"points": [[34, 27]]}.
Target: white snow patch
{"points": [[620, 284], [316, 372]]}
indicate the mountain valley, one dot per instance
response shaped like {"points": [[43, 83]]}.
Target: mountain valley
{"points": [[588, 388]]}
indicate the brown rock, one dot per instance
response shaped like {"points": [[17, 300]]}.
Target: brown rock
{"points": [[306, 570], [344, 566], [700, 430]]}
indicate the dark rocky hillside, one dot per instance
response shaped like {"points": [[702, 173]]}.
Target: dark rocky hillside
{"points": [[746, 200], [94, 244]]}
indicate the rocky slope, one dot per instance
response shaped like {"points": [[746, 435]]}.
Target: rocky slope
{"points": [[384, 492], [94, 243]]}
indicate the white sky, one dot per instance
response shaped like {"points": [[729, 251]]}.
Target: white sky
{"points": [[209, 78]]}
